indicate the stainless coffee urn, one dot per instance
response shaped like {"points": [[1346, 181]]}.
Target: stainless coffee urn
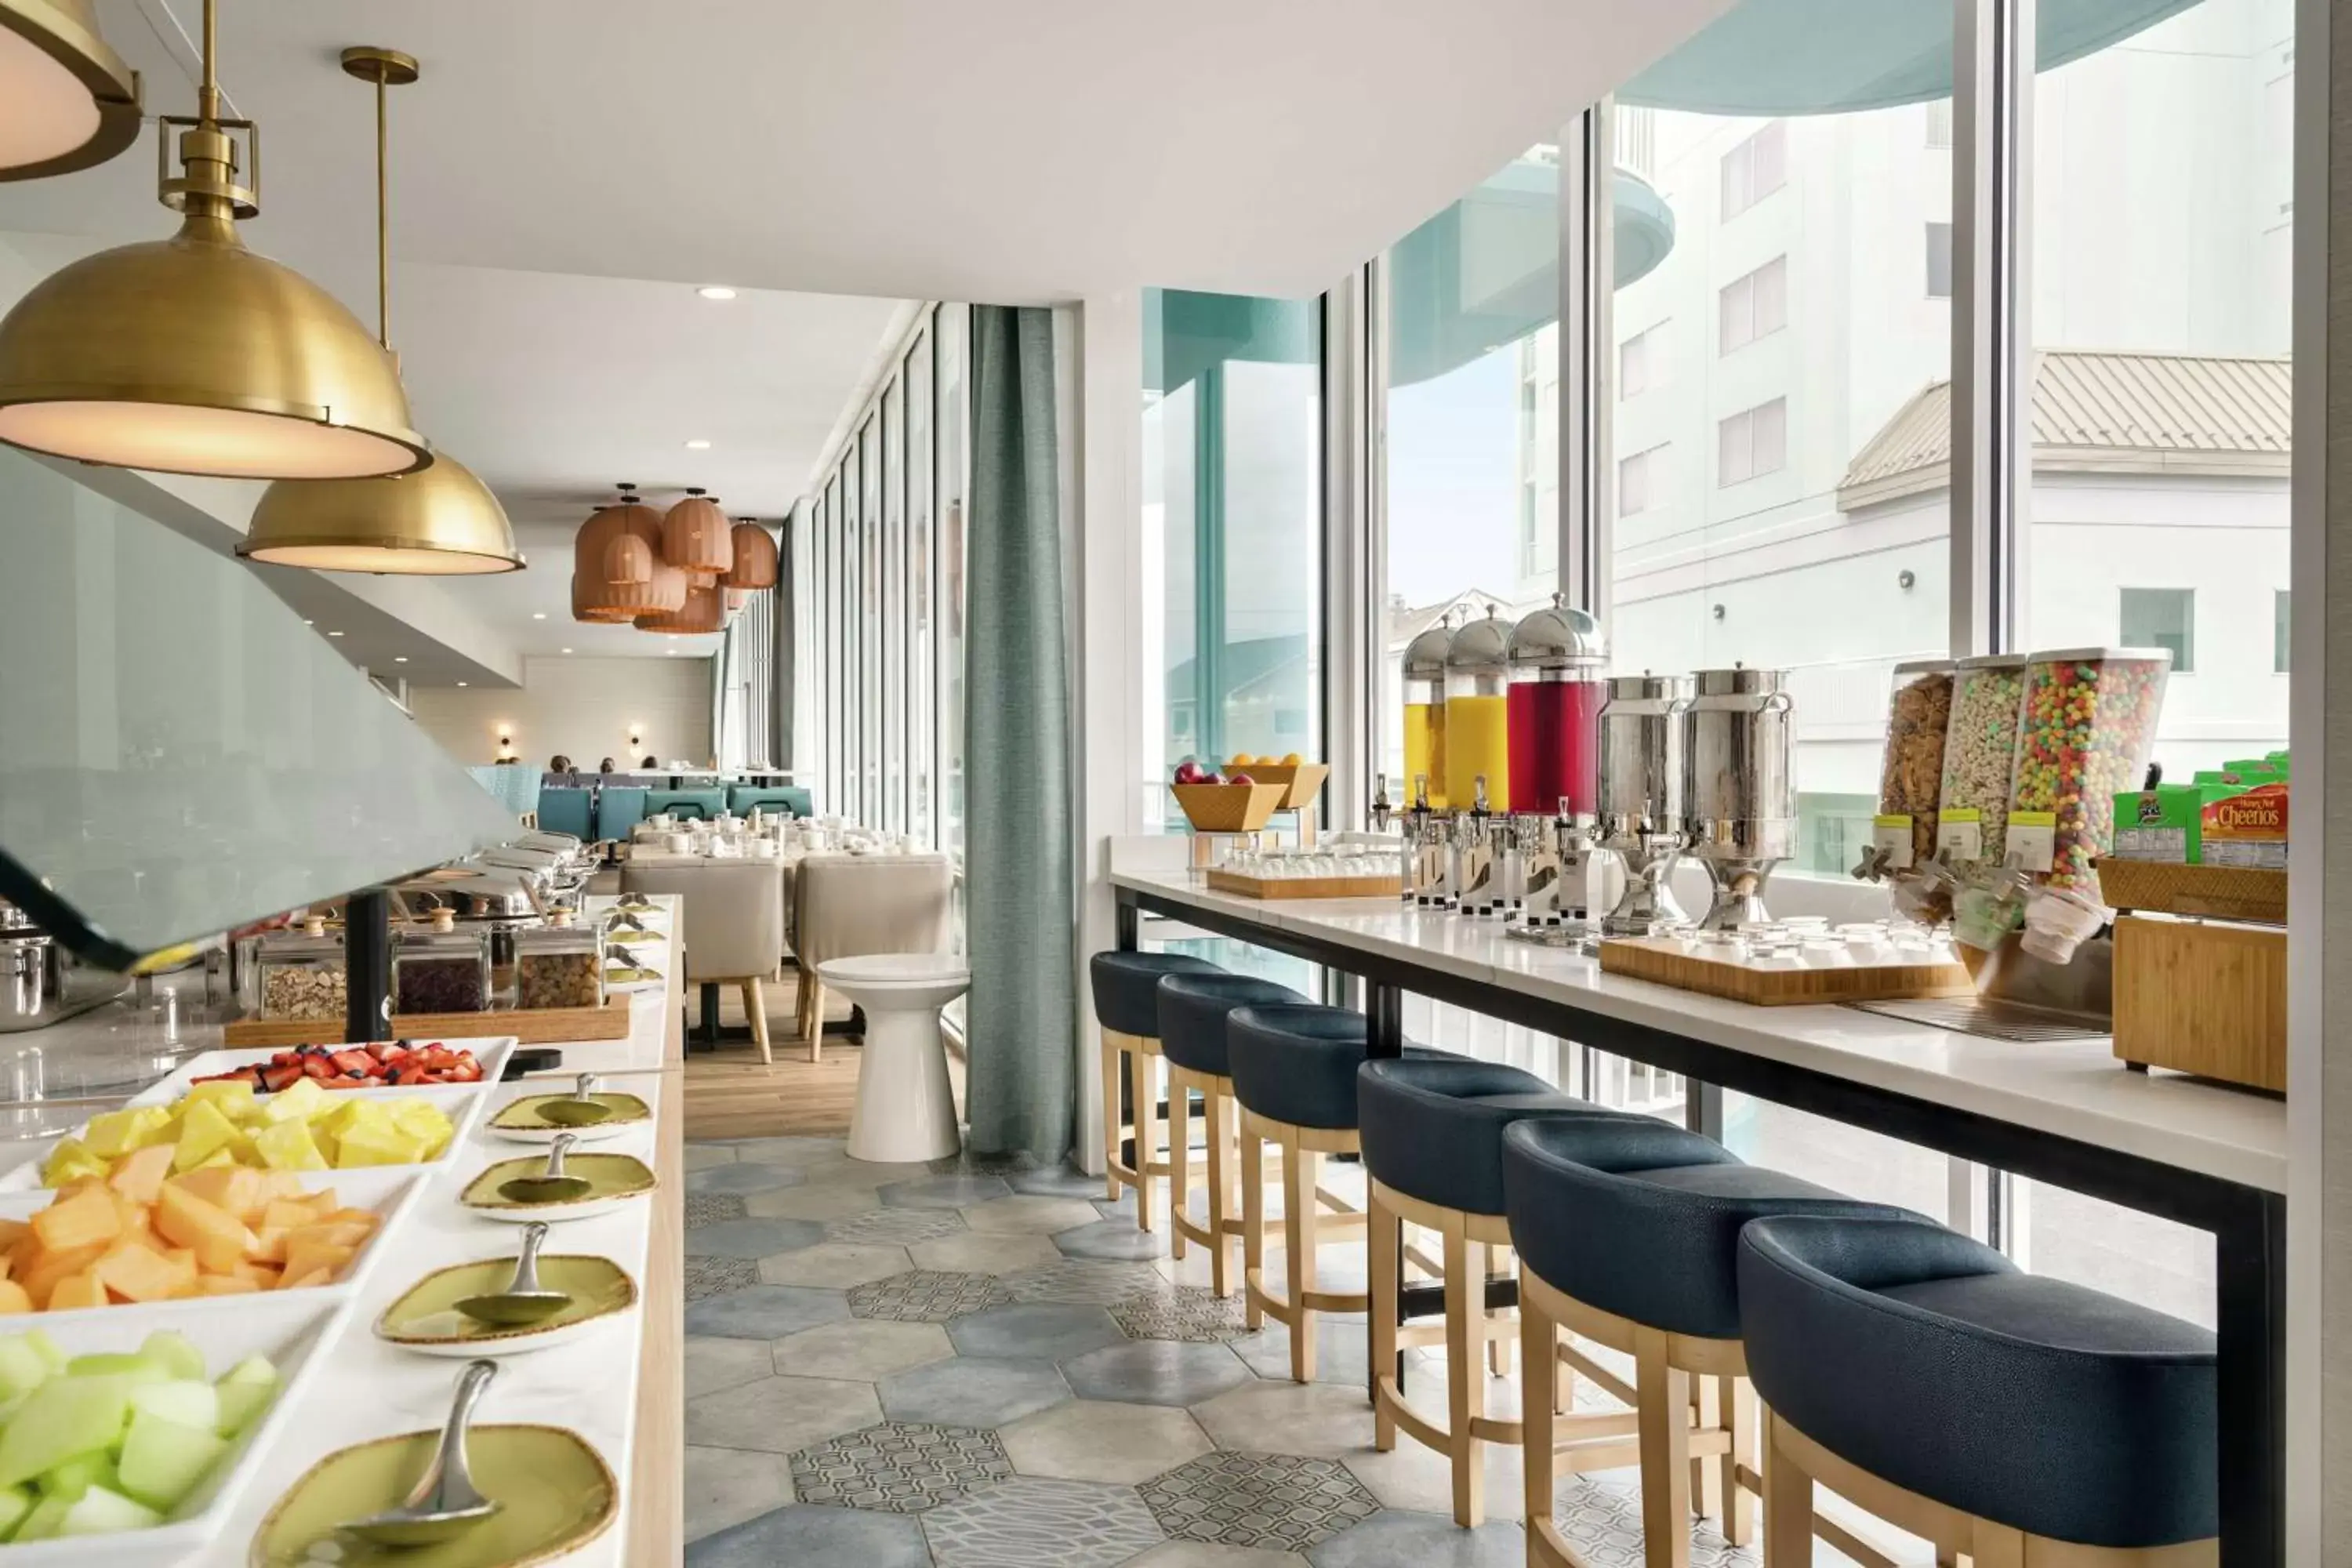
{"points": [[1738, 801], [1641, 796]]}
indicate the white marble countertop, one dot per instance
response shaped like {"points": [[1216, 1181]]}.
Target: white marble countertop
{"points": [[2075, 1090]]}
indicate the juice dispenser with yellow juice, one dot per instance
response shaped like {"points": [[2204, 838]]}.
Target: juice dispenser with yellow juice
{"points": [[1478, 713], [1424, 713]]}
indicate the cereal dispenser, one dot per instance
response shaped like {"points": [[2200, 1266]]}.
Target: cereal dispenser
{"points": [[1910, 788], [1424, 717], [1477, 719], [1556, 657], [1740, 801], [1641, 796]]}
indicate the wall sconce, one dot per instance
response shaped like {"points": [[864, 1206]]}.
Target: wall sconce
{"points": [[1718, 612], [1905, 579], [637, 737]]}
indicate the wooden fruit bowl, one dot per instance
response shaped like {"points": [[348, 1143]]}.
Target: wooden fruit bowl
{"points": [[1229, 808], [1301, 781]]}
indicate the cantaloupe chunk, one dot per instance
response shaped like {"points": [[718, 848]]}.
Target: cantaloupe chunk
{"points": [[350, 1234], [217, 1237], [139, 1175], [234, 1189], [225, 1285], [293, 1213], [12, 1231], [269, 1244], [275, 1184], [81, 1289], [307, 1254], [265, 1276], [316, 1277], [40, 1277], [137, 1272], [88, 1217], [12, 1297]]}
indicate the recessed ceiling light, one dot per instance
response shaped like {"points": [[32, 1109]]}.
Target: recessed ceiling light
{"points": [[461, 683], [698, 445], [567, 650], [335, 634], [671, 651], [539, 615], [716, 291], [399, 659], [310, 623]]}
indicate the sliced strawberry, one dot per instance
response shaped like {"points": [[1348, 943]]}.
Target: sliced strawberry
{"points": [[280, 1075]]}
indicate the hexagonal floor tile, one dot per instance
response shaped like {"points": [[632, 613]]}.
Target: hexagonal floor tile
{"points": [[1155, 1372], [779, 1414], [972, 1253], [765, 1311], [713, 1363], [966, 1162], [1078, 1279], [752, 1239], [1318, 1420], [1274, 1501], [727, 1486], [703, 1156], [1601, 1516], [834, 1265], [950, 1192], [1393, 1539], [1207, 1554], [972, 1391], [1031, 1216], [1028, 1522], [804, 1534], [1092, 1440], [707, 1277], [741, 1179], [816, 1203], [862, 1347], [894, 1227], [928, 1296], [1112, 1239], [802, 1151], [1037, 1330], [1191, 1312], [1057, 1181], [1342, 1352], [898, 1466], [710, 1208]]}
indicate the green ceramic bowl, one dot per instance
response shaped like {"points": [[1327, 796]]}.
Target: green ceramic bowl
{"points": [[523, 1115], [613, 1179], [625, 937], [556, 1493], [426, 1319]]}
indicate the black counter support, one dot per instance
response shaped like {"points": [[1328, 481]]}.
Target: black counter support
{"points": [[367, 966]]}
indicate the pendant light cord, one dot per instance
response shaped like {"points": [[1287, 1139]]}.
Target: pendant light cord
{"points": [[383, 221], [208, 95]]}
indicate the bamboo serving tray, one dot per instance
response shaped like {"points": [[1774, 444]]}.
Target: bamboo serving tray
{"points": [[532, 1026], [2224, 892], [1779, 984], [1306, 887]]}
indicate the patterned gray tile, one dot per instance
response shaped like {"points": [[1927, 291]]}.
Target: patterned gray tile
{"points": [[949, 1192], [894, 1227], [781, 1415], [813, 1535], [899, 1466], [1601, 1516], [1156, 1371], [1058, 1181], [928, 1296], [729, 1486], [1033, 1523], [1112, 1239], [1036, 1330], [1394, 1538], [834, 1265], [972, 1391], [1182, 1312], [1276, 1501], [752, 1239], [706, 1277], [741, 1179], [765, 1311], [1076, 1280], [709, 1208]]}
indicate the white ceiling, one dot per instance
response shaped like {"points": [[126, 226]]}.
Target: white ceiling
{"points": [[568, 170]]}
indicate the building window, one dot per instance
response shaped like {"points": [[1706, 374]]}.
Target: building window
{"points": [[1755, 169], [1939, 124], [1939, 261], [1642, 362], [1637, 139], [2165, 618], [1642, 481], [2278, 630], [1752, 442], [1753, 307]]}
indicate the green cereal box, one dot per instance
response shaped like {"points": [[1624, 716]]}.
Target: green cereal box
{"points": [[2167, 823], [2253, 771]]}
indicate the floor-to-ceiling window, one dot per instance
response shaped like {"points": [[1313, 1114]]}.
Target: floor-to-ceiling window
{"points": [[892, 621], [922, 587]]}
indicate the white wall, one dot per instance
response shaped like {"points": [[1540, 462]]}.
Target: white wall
{"points": [[583, 708]]}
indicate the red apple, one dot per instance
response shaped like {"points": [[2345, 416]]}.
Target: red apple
{"points": [[1241, 779], [1211, 777], [1189, 772]]}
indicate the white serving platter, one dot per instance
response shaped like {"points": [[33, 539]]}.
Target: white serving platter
{"points": [[490, 1050]]}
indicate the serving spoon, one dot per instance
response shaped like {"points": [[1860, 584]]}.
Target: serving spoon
{"points": [[526, 1300], [551, 1186], [445, 1501], [580, 1108]]}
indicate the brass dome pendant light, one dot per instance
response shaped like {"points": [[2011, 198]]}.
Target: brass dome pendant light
{"points": [[442, 521], [67, 101], [192, 355]]}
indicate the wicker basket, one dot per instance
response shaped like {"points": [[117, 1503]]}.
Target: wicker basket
{"points": [[1301, 781], [1229, 808]]}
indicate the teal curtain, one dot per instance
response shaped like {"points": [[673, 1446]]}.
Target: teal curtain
{"points": [[1020, 1024]]}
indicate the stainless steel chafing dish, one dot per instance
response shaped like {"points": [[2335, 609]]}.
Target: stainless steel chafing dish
{"points": [[41, 983]]}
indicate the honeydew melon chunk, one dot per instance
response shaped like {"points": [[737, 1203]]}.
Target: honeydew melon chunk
{"points": [[65, 1418], [246, 1391], [176, 1352], [23, 1367], [162, 1461], [187, 1401], [51, 1352], [15, 1503], [130, 1369], [104, 1512], [78, 1475], [48, 1516]]}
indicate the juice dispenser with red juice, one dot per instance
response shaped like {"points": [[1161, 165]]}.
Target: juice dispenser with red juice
{"points": [[1557, 658]]}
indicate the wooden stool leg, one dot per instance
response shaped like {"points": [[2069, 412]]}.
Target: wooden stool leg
{"points": [[1706, 1479], [756, 1006], [817, 1020], [1111, 1065], [1180, 1162], [1298, 1171], [1382, 1244], [1739, 1406], [1143, 1069], [1539, 1397], [1787, 1504], [1217, 1108], [1663, 1419], [1996, 1546], [1465, 1378], [1252, 1223]]}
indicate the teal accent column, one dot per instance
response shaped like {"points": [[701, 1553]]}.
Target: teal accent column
{"points": [[1020, 1081]]}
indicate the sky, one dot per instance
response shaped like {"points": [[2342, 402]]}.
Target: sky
{"points": [[1452, 481]]}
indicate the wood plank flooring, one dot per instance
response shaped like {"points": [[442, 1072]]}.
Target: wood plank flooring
{"points": [[728, 1094]]}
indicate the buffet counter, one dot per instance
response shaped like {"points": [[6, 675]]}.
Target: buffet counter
{"points": [[2068, 1113]]}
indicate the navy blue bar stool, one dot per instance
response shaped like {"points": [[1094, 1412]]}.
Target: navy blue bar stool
{"points": [[1193, 1012], [2007, 1417], [1294, 1075], [1628, 1235], [1127, 1006], [1432, 1142]]}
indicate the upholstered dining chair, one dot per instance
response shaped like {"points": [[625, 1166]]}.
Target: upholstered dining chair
{"points": [[850, 906], [733, 929]]}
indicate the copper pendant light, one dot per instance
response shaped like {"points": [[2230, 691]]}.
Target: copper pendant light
{"points": [[67, 101], [702, 612], [628, 560], [755, 551], [596, 597], [441, 523], [195, 356], [695, 537]]}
